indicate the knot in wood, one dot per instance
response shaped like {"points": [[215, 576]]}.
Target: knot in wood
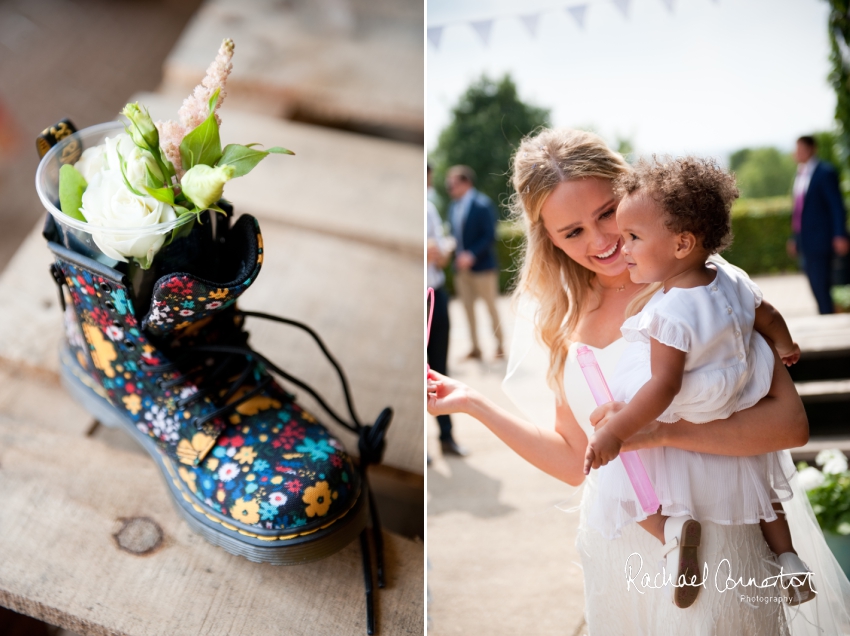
{"points": [[138, 535]]}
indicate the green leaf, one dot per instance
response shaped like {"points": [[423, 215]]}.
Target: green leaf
{"points": [[241, 158], [182, 230], [202, 145], [161, 194], [71, 187], [144, 262], [179, 210], [213, 100], [151, 180], [280, 151]]}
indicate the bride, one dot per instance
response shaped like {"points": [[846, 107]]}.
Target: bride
{"points": [[575, 288]]}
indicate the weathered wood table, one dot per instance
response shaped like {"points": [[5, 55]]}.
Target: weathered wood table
{"points": [[350, 63], [89, 539]]}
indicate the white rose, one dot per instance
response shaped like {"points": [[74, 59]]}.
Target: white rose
{"points": [[106, 157], [92, 161], [811, 477], [108, 203]]}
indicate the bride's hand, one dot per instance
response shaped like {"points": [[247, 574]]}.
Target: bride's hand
{"points": [[648, 437], [445, 395]]}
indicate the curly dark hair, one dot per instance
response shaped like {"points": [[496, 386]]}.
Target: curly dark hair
{"points": [[696, 195]]}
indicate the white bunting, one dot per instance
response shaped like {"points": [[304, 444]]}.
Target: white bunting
{"points": [[578, 13], [435, 34], [483, 28], [531, 21], [669, 4], [623, 6]]}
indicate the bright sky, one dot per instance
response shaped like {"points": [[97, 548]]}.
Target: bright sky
{"points": [[709, 79]]}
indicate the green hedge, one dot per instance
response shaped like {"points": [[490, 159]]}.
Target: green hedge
{"points": [[761, 228]]}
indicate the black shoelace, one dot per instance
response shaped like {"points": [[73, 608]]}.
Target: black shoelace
{"points": [[371, 438]]}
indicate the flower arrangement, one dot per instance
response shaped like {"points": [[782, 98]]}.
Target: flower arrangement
{"points": [[828, 490], [158, 173]]}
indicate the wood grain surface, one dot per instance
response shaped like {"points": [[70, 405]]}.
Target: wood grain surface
{"points": [[67, 493]]}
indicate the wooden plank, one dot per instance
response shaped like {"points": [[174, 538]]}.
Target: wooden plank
{"points": [[358, 64], [64, 497], [815, 445], [338, 183], [821, 333], [823, 389], [363, 301]]}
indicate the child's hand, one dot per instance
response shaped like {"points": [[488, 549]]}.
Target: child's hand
{"points": [[790, 356], [601, 414], [601, 449]]}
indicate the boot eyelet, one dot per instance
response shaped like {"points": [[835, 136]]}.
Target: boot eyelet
{"points": [[108, 304], [106, 287], [117, 323], [129, 344]]}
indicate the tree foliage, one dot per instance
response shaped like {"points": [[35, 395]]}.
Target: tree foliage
{"points": [[763, 172], [839, 76], [487, 125]]}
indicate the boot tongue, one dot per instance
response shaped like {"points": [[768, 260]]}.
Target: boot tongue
{"points": [[182, 299]]}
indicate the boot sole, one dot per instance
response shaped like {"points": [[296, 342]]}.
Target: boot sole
{"points": [[293, 549], [686, 595]]}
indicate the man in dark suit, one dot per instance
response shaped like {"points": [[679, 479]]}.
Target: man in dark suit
{"points": [[473, 220], [819, 220]]}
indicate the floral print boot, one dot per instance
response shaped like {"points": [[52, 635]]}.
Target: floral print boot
{"points": [[248, 468]]}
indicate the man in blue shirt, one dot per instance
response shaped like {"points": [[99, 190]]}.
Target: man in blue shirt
{"points": [[472, 216]]}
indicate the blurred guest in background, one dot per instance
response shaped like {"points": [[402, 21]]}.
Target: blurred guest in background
{"points": [[473, 220], [439, 252], [819, 220]]}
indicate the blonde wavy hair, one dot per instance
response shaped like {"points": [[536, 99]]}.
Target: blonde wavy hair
{"points": [[562, 288]]}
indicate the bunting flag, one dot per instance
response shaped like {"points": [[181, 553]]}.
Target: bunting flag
{"points": [[530, 22], [623, 6], [435, 34], [578, 12], [482, 28]]}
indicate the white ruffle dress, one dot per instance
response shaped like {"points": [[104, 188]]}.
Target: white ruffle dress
{"points": [[729, 367], [612, 606]]}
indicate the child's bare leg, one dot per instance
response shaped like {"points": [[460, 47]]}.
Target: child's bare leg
{"points": [[654, 525], [777, 533]]}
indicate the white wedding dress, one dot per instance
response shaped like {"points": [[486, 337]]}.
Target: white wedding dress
{"points": [[613, 606]]}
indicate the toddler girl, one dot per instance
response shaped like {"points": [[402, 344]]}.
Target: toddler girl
{"points": [[693, 356]]}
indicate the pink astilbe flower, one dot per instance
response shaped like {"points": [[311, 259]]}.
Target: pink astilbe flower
{"points": [[195, 108], [170, 135]]}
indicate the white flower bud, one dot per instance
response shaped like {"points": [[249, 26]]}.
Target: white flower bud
{"points": [[204, 185]]}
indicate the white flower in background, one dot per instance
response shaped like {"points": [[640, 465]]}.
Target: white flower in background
{"points": [[843, 528], [832, 460], [108, 203], [835, 466], [811, 477]]}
